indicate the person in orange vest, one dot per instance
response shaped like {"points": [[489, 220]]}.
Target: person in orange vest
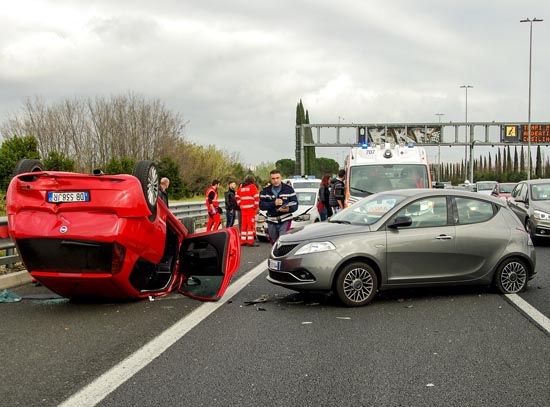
{"points": [[214, 211], [248, 199]]}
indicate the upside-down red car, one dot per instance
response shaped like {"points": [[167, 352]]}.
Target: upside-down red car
{"points": [[111, 236]]}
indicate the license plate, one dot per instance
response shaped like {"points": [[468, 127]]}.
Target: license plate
{"points": [[274, 264], [80, 196]]}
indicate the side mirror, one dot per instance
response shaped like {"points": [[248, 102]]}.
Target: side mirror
{"points": [[400, 221]]}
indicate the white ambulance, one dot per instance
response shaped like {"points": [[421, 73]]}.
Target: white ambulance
{"points": [[384, 167]]}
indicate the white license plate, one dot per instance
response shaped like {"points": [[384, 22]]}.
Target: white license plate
{"points": [[80, 196], [273, 264]]}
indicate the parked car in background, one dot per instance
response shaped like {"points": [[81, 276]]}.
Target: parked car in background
{"points": [[306, 213], [530, 201], [102, 235], [407, 238], [485, 187], [503, 189], [298, 182]]}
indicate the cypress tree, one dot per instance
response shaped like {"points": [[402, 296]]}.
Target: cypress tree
{"points": [[538, 165]]}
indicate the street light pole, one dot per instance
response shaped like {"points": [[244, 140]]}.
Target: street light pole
{"points": [[466, 87], [530, 21], [439, 148]]}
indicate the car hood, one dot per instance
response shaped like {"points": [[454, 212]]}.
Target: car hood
{"points": [[541, 205], [322, 230]]}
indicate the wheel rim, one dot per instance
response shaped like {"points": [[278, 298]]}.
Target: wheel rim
{"points": [[152, 185], [358, 285], [513, 277]]}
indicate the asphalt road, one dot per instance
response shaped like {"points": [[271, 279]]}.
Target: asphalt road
{"points": [[408, 348]]}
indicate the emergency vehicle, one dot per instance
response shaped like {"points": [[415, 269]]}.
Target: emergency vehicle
{"points": [[373, 168]]}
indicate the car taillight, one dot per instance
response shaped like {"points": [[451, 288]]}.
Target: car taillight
{"points": [[117, 258]]}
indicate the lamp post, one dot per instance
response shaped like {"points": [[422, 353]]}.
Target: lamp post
{"points": [[466, 87], [439, 148], [530, 21]]}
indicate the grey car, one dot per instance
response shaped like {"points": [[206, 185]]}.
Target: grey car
{"points": [[407, 238], [530, 201]]}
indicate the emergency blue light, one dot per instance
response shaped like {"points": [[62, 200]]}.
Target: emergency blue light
{"points": [[365, 145], [410, 145]]}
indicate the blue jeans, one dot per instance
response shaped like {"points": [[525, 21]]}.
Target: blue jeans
{"points": [[277, 229], [230, 218]]}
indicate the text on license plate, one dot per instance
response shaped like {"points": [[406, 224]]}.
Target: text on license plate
{"points": [[273, 264], [80, 196]]}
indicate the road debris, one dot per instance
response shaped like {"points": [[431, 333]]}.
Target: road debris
{"points": [[261, 299]]}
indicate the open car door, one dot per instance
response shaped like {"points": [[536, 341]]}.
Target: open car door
{"points": [[207, 263]]}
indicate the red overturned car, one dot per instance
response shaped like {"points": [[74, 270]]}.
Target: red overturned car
{"points": [[101, 235]]}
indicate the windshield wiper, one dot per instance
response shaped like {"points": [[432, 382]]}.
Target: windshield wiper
{"points": [[345, 222], [357, 189]]}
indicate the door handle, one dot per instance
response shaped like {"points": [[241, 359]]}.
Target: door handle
{"points": [[444, 237]]}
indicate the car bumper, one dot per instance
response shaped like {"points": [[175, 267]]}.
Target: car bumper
{"points": [[541, 228], [312, 272]]}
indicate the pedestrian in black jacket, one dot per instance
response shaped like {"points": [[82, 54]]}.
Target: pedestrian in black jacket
{"points": [[231, 206]]}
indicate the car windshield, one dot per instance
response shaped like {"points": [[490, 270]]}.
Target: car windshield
{"points": [[540, 192], [485, 186], [368, 210], [365, 180], [506, 188], [306, 198]]}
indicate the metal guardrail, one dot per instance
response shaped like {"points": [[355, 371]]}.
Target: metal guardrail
{"points": [[195, 210]]}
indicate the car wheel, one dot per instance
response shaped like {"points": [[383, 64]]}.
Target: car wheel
{"points": [[27, 165], [146, 173], [189, 224], [356, 284], [511, 276]]}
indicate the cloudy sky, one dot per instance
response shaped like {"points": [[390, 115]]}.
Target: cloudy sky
{"points": [[236, 69]]}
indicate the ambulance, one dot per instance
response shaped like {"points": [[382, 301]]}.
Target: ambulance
{"points": [[373, 168]]}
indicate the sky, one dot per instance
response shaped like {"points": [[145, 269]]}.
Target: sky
{"points": [[235, 70]]}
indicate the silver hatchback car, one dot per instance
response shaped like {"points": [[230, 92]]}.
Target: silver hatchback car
{"points": [[530, 201], [407, 238]]}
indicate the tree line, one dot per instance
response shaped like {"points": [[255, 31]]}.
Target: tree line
{"points": [[506, 165], [112, 133]]}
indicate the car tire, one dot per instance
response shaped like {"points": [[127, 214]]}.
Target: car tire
{"points": [[356, 284], [146, 172], [511, 276], [27, 165], [189, 224]]}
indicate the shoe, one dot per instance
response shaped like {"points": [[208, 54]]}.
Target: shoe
{"points": [[253, 244]]}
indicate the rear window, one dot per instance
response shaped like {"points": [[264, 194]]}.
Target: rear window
{"points": [[473, 210]]}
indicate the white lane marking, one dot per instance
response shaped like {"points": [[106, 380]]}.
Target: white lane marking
{"points": [[101, 387], [537, 317]]}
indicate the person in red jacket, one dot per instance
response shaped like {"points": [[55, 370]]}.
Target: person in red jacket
{"points": [[248, 199], [212, 205]]}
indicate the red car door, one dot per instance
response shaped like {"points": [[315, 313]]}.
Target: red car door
{"points": [[207, 263]]}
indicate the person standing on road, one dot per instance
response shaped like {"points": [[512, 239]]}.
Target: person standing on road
{"points": [[231, 206], [324, 194], [247, 197], [212, 205], [164, 184], [338, 192], [279, 201]]}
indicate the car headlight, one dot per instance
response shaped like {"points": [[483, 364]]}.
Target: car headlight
{"points": [[541, 215], [303, 217], [316, 247]]}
